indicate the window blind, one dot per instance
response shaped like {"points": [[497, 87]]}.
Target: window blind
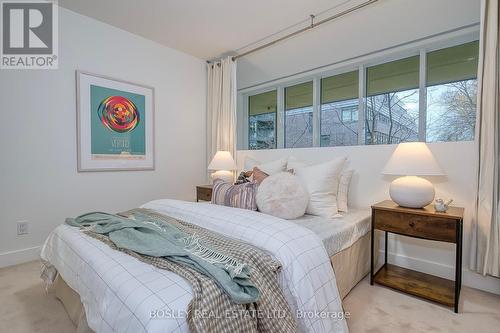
{"points": [[392, 76], [299, 96], [262, 103], [340, 87], [457, 63]]}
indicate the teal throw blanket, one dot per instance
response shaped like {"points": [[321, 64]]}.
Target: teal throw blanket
{"points": [[147, 236]]}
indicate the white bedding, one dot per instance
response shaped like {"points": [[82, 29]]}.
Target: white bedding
{"points": [[340, 232], [119, 292]]}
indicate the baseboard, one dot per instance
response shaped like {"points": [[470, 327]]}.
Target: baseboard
{"points": [[469, 278], [11, 258]]}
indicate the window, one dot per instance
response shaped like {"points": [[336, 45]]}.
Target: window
{"points": [[262, 120], [298, 115], [339, 109], [349, 114], [451, 93], [392, 102], [398, 104]]}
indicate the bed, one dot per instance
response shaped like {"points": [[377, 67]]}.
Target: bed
{"points": [[106, 290]]}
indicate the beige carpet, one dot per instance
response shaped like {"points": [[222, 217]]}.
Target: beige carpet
{"points": [[25, 307], [378, 309]]}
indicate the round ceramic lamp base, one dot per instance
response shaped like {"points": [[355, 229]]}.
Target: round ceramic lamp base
{"points": [[226, 176], [412, 192]]}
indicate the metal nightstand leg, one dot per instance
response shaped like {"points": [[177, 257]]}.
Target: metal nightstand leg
{"points": [[458, 264], [386, 242]]}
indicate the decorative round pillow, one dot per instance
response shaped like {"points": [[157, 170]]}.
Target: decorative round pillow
{"points": [[282, 195]]}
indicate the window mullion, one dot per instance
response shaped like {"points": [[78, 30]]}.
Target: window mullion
{"points": [[422, 97], [361, 105], [280, 115], [316, 111]]}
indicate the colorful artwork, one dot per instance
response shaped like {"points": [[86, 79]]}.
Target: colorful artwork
{"points": [[118, 123], [118, 113], [115, 124]]}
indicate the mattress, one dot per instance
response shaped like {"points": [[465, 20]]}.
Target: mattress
{"points": [[340, 232]]}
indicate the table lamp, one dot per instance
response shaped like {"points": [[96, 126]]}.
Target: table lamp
{"points": [[223, 165], [411, 160]]}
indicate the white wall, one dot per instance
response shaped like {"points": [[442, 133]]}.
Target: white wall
{"points": [[38, 177], [385, 24]]}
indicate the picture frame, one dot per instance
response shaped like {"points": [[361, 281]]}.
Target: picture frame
{"points": [[115, 124]]}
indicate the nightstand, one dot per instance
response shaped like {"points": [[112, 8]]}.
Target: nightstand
{"points": [[424, 223], [203, 193]]}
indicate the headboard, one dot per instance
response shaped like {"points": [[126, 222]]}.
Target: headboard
{"points": [[369, 185]]}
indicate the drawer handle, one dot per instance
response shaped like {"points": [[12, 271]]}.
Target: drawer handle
{"points": [[412, 224]]}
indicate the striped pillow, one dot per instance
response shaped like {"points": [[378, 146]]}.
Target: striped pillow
{"points": [[237, 196]]}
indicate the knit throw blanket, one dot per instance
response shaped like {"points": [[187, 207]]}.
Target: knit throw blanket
{"points": [[211, 309], [146, 236]]}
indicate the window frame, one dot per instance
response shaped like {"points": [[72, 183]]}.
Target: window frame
{"points": [[361, 90], [360, 64], [247, 120], [285, 110], [422, 111]]}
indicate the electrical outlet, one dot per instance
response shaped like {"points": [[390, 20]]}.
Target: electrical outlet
{"points": [[22, 227]]}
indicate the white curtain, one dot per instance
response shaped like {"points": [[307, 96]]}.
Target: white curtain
{"points": [[221, 107], [485, 256]]}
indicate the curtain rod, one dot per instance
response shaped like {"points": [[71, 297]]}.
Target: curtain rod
{"points": [[309, 27]]}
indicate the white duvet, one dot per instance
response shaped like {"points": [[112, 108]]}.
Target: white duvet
{"points": [[122, 294]]}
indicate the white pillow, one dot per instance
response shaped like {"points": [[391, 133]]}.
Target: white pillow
{"points": [[342, 193], [322, 183], [270, 167], [282, 195], [344, 182]]}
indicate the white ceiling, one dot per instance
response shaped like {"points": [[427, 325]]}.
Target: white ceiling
{"points": [[203, 28]]}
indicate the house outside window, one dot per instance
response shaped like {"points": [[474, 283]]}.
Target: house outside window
{"points": [[392, 102], [339, 109], [262, 121]]}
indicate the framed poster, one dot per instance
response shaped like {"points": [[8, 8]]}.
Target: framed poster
{"points": [[115, 121]]}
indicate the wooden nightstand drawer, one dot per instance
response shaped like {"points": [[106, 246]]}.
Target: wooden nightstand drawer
{"points": [[204, 193], [433, 228]]}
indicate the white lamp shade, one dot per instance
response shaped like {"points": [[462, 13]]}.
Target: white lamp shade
{"points": [[412, 159], [222, 161]]}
